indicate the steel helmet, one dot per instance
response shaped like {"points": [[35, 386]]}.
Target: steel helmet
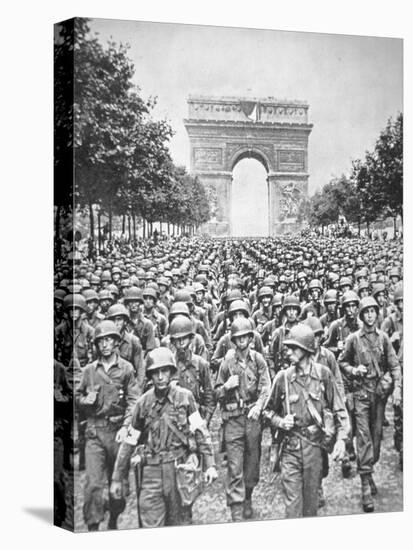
{"points": [[345, 281], [277, 300], [315, 324], [239, 327], [377, 288], [74, 300], [149, 291], [362, 286], [348, 297], [291, 301], [183, 296], [330, 296], [59, 294], [265, 291], [233, 295], [106, 277], [106, 328], [302, 336], [90, 295], [239, 305], [117, 309], [198, 287], [113, 289], [105, 295], [178, 308], [158, 358], [394, 272], [315, 283], [133, 294], [268, 281], [180, 327], [366, 302]]}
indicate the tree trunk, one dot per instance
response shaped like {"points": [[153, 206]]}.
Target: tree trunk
{"points": [[123, 223], [359, 226], [160, 228], [91, 225], [144, 228], [99, 233], [134, 226], [368, 229], [110, 221], [394, 226], [168, 228], [129, 228]]}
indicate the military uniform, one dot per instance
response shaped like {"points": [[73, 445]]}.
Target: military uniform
{"points": [[164, 424], [302, 455], [242, 435], [116, 398]]}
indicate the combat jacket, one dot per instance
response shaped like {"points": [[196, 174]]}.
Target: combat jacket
{"points": [[261, 317], [130, 349], [320, 387], [116, 389], [226, 344], [96, 319], [393, 327], [194, 375], [159, 322], [326, 357], [77, 344], [339, 331], [165, 428], [145, 331], [254, 382], [276, 351], [373, 350]]}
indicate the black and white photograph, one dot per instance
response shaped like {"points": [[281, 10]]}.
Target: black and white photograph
{"points": [[228, 274]]}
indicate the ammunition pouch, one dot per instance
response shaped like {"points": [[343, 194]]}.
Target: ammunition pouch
{"points": [[384, 386]]}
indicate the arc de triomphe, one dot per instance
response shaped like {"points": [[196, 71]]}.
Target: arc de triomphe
{"points": [[224, 130]]}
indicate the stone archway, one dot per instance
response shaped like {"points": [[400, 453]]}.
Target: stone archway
{"points": [[223, 130]]}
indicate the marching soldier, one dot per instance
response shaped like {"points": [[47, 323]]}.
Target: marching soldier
{"points": [[172, 435]]}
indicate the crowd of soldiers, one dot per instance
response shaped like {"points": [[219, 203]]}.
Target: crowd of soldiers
{"points": [[301, 336]]}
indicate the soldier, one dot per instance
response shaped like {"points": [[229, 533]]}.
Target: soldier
{"points": [[331, 314], [142, 327], [341, 328], [106, 396], [92, 304], [276, 353], [192, 370], [172, 434], [270, 327], [264, 313], [314, 307], [303, 396], [370, 365], [197, 344], [129, 346], [150, 312], [242, 388], [105, 301], [393, 327]]}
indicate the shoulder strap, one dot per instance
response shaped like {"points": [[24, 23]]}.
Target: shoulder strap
{"points": [[315, 415], [177, 433]]}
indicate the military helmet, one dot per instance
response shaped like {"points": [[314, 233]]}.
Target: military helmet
{"points": [[315, 324], [330, 296], [394, 272], [150, 291], [239, 305], [178, 308], [198, 287], [302, 336], [59, 295], [158, 358], [367, 302], [90, 295], [277, 300], [116, 310], [106, 277], [105, 295], [106, 328], [345, 281], [291, 301], [315, 283], [133, 293], [240, 327], [348, 297], [74, 300], [233, 295], [180, 327], [265, 291], [377, 288], [183, 296]]}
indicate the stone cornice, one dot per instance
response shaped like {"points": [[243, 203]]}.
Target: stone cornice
{"points": [[229, 100]]}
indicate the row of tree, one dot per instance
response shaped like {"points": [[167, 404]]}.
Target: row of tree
{"points": [[372, 191], [106, 130]]}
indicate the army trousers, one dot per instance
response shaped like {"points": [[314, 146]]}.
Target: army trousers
{"points": [[159, 500], [301, 471], [101, 450], [369, 416], [242, 439]]}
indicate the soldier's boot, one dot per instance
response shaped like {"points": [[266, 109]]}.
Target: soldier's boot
{"points": [[248, 511], [346, 467], [113, 521], [321, 497], [373, 487], [237, 511], [93, 527], [367, 499]]}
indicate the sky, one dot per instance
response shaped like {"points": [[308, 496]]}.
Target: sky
{"points": [[352, 84]]}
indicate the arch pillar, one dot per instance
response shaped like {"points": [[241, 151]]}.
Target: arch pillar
{"points": [[218, 185]]}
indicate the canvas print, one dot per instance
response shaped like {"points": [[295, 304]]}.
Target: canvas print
{"points": [[228, 286]]}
